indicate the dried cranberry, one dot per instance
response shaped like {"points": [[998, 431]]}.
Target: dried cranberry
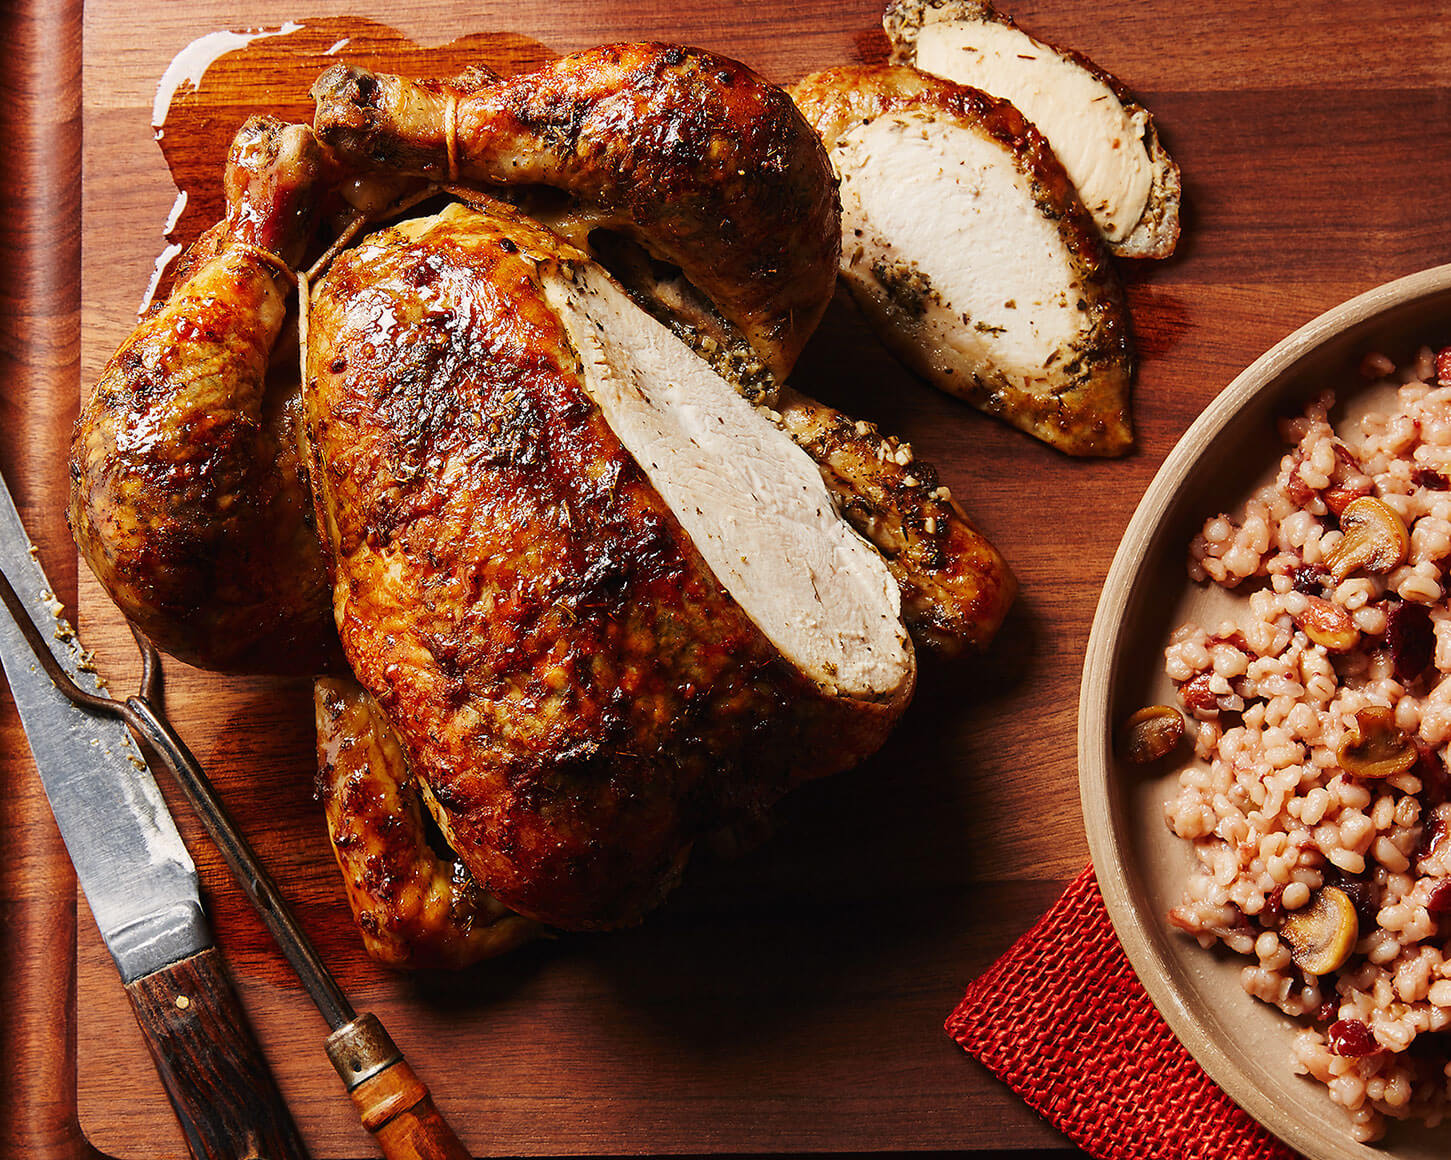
{"points": [[1346, 459], [1434, 827], [1297, 489], [1435, 784], [1309, 579], [1411, 638], [1443, 367], [1428, 478], [1351, 1038], [1360, 891], [1438, 901], [1326, 1011], [1274, 907], [1235, 638], [1197, 696]]}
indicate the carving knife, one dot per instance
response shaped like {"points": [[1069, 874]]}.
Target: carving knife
{"points": [[141, 885], [393, 1103]]}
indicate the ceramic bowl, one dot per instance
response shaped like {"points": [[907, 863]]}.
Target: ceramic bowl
{"points": [[1232, 449]]}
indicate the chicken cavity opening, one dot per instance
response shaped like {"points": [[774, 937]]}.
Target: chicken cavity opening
{"points": [[943, 219], [752, 501]]}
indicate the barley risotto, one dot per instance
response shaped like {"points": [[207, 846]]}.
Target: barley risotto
{"points": [[1319, 812]]}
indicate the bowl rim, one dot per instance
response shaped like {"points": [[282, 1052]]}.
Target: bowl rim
{"points": [[1094, 730]]}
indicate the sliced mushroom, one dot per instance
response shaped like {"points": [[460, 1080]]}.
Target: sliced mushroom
{"points": [[1151, 733], [1373, 537], [1105, 139], [1322, 935], [1328, 624], [1379, 748]]}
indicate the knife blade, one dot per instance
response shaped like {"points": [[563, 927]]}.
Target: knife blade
{"points": [[140, 884]]}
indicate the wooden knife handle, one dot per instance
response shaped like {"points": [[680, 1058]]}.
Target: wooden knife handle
{"points": [[214, 1071], [396, 1107], [393, 1103]]}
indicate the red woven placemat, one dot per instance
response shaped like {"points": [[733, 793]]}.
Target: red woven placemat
{"points": [[1063, 1020]]}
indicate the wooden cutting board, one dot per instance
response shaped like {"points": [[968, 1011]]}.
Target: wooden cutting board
{"points": [[791, 1001]]}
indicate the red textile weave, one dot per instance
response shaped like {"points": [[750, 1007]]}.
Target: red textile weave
{"points": [[1062, 1020]]}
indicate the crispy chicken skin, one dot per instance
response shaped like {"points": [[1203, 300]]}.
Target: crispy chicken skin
{"points": [[186, 496], [956, 587], [691, 154], [415, 907], [1074, 396], [565, 674]]}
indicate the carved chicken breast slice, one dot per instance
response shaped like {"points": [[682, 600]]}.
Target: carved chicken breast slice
{"points": [[752, 502], [1105, 139], [965, 245], [956, 587], [604, 603]]}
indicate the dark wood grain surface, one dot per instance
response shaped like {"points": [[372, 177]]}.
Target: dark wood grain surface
{"points": [[791, 1001], [40, 155]]}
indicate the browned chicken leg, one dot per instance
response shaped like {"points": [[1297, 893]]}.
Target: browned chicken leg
{"points": [[186, 496], [691, 154], [415, 906]]}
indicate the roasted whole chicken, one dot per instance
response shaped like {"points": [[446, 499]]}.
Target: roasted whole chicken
{"points": [[605, 603], [590, 591]]}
